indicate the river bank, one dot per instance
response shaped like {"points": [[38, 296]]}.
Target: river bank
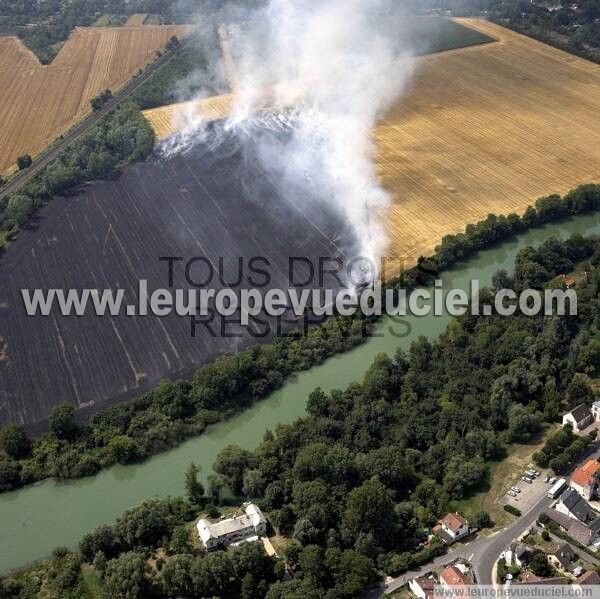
{"points": [[36, 519]]}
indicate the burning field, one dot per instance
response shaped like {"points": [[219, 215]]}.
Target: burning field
{"points": [[38, 103], [377, 153], [214, 201], [482, 129]]}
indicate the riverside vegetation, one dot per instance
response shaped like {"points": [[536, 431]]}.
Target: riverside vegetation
{"points": [[177, 410], [354, 483]]}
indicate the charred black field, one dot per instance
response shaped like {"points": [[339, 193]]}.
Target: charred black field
{"points": [[213, 203]]}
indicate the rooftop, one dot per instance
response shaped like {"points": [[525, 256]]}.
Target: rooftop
{"points": [[581, 478], [591, 467], [590, 577], [453, 521], [452, 576], [581, 412], [576, 504]]}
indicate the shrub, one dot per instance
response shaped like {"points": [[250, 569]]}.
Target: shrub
{"points": [[511, 509]]}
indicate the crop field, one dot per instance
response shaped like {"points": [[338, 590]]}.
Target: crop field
{"points": [[485, 128], [213, 202], [38, 103], [136, 20]]}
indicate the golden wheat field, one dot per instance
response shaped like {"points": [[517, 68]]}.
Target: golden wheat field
{"points": [[38, 102], [482, 129]]}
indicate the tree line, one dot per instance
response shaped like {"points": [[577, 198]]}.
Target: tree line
{"points": [[355, 484], [121, 137], [177, 410]]}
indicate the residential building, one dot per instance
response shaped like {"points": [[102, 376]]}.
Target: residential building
{"points": [[451, 576], [585, 479], [590, 577], [231, 531], [572, 504], [563, 557], [596, 410], [422, 586], [585, 534], [578, 418], [451, 528], [516, 554]]}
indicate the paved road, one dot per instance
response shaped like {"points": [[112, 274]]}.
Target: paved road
{"points": [[482, 552], [126, 91]]}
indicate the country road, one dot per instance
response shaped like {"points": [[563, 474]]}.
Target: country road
{"points": [[77, 130], [483, 552]]}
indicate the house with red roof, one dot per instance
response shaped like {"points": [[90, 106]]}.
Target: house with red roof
{"points": [[451, 528], [451, 576], [585, 479]]}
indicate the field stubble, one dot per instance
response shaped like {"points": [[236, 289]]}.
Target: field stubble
{"points": [[483, 129], [38, 103]]}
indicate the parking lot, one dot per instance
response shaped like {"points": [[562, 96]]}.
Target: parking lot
{"points": [[530, 493]]}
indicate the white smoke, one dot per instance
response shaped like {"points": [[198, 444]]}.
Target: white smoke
{"points": [[334, 66]]}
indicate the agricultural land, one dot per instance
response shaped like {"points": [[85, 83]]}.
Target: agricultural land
{"points": [[39, 102], [483, 129]]}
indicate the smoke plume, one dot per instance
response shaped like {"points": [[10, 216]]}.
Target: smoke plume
{"points": [[330, 69]]}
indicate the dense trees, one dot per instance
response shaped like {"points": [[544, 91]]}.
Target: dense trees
{"points": [[119, 138], [358, 479], [494, 228]]}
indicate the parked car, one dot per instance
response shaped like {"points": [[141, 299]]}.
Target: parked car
{"points": [[527, 480], [512, 493], [515, 489], [546, 479], [552, 480]]}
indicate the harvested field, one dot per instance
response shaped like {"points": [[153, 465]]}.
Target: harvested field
{"points": [[136, 20], [213, 201], [486, 128], [38, 103]]}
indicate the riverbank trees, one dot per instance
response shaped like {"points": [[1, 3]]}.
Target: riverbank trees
{"points": [[176, 410], [357, 480]]}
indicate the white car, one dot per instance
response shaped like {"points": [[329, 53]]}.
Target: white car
{"points": [[552, 480], [546, 479], [515, 489], [512, 493]]}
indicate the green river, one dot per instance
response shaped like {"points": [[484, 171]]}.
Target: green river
{"points": [[35, 520]]}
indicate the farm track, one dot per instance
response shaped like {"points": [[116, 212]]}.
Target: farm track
{"points": [[38, 103], [482, 129]]}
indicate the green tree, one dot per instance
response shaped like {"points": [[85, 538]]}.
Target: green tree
{"points": [[193, 487], [370, 510], [61, 421], [14, 441], [122, 449], [24, 162], [127, 577], [231, 463]]}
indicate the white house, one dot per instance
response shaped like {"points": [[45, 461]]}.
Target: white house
{"points": [[578, 418], [422, 586], [233, 530], [516, 554], [596, 410], [585, 479], [572, 504], [451, 528]]}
